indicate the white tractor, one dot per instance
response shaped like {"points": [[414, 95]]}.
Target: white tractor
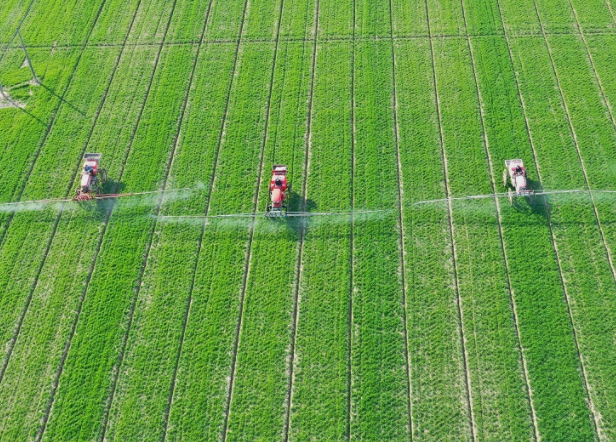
{"points": [[514, 179]]}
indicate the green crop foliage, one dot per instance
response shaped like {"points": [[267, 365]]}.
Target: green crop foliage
{"points": [[476, 320], [319, 405]]}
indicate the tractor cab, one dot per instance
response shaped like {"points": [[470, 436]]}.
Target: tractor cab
{"points": [[514, 177], [92, 178], [278, 190]]}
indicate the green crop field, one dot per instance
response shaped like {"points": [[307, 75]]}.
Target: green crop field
{"points": [[143, 318]]}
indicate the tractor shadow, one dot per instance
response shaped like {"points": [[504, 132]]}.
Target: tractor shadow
{"points": [[101, 209], [294, 225], [535, 205]]}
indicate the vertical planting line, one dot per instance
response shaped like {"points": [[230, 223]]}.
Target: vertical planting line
{"points": [[350, 319], [247, 266], [300, 255], [467, 378], [567, 299], [513, 302], [55, 227], [192, 282], [207, 204], [98, 247], [486, 144], [608, 106], [401, 221], [148, 246]]}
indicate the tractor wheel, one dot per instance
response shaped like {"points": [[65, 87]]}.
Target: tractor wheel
{"points": [[103, 176], [511, 198], [505, 177]]}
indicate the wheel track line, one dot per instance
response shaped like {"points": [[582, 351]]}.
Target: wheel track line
{"points": [[300, 254], [350, 318], [192, 283], [100, 241], [401, 223], [248, 264], [13, 340], [102, 235], [467, 377], [511, 291], [590, 403], [608, 106], [309, 40]]}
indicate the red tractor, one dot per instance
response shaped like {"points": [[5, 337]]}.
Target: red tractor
{"points": [[92, 178], [514, 177], [278, 190]]}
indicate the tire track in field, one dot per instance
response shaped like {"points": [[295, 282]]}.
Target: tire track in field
{"points": [[567, 298], [98, 247], [350, 319], [157, 209], [247, 266], [467, 377], [192, 284], [106, 220], [20, 321], [300, 255], [486, 144], [401, 222], [608, 106], [309, 40]]}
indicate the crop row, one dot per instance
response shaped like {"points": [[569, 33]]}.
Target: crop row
{"points": [[438, 396], [545, 331], [262, 375], [498, 402], [78, 228], [319, 406], [585, 265]]}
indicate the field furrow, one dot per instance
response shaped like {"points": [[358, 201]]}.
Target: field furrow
{"points": [[582, 256], [132, 135], [380, 401], [319, 407], [438, 395], [262, 374]]}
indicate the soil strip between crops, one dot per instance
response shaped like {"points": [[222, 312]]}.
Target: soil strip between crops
{"points": [[456, 281], [300, 255], [248, 264], [57, 221], [567, 298]]}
